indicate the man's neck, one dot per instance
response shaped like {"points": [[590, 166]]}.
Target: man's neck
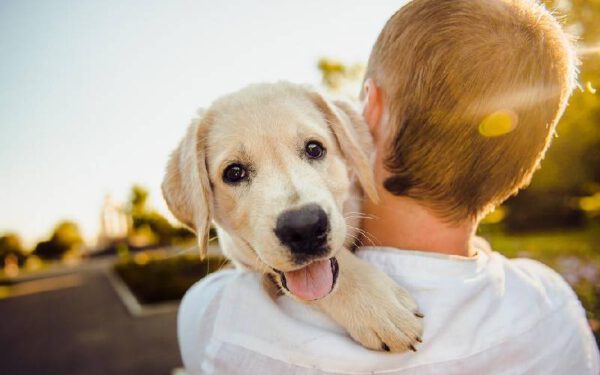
{"points": [[405, 224]]}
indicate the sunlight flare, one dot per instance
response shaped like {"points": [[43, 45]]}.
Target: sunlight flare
{"points": [[588, 50], [498, 123]]}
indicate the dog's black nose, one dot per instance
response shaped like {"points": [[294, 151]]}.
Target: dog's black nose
{"points": [[304, 230]]}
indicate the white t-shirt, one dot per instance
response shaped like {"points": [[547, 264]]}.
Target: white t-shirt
{"points": [[483, 315]]}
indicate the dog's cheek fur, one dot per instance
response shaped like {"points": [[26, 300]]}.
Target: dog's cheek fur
{"points": [[338, 184], [337, 180], [230, 211]]}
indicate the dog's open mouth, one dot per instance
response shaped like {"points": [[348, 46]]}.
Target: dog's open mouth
{"points": [[314, 281]]}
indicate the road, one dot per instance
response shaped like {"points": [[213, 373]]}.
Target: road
{"points": [[74, 323]]}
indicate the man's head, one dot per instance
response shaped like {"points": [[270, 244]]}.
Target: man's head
{"points": [[463, 98]]}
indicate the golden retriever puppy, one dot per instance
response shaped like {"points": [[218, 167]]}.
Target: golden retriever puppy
{"points": [[281, 170]]}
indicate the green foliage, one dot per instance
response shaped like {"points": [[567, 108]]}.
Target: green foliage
{"points": [[138, 198], [10, 244], [151, 224], [67, 234], [65, 237], [541, 210], [338, 77], [162, 279]]}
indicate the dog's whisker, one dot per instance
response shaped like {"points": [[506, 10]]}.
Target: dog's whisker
{"points": [[368, 236], [359, 239], [357, 216], [372, 241], [224, 262], [364, 234], [357, 213], [184, 250], [360, 215]]}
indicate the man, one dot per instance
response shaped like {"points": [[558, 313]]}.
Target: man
{"points": [[462, 98]]}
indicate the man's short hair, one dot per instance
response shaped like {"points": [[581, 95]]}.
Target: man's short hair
{"points": [[472, 92]]}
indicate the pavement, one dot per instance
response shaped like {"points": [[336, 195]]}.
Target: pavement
{"points": [[73, 322]]}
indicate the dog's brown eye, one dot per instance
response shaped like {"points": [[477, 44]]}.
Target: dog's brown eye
{"points": [[234, 173], [314, 150]]}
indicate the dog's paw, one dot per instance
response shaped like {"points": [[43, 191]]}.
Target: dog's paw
{"points": [[374, 309], [386, 318]]}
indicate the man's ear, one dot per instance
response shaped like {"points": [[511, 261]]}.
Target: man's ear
{"points": [[348, 126], [373, 107], [186, 186]]}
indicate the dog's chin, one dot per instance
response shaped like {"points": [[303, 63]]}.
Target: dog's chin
{"points": [[313, 281]]}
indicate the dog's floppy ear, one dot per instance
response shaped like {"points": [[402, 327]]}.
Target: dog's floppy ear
{"points": [[348, 126], [186, 186]]}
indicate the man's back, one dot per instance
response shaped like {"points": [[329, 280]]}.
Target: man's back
{"points": [[484, 314]]}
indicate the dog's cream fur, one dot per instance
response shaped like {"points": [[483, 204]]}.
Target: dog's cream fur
{"points": [[266, 126]]}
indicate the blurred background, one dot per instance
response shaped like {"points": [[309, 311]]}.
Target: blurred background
{"points": [[96, 94]]}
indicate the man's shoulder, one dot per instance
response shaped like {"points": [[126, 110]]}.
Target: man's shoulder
{"points": [[210, 286], [531, 276], [198, 314], [563, 326], [203, 298], [507, 308]]}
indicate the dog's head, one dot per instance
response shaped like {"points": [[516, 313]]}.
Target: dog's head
{"points": [[272, 165]]}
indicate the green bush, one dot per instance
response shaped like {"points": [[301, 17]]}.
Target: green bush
{"points": [[65, 237], [10, 245], [543, 211], [160, 279]]}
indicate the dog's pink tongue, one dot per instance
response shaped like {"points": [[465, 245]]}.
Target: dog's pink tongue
{"points": [[311, 282]]}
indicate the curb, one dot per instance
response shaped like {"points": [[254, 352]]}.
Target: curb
{"points": [[131, 303]]}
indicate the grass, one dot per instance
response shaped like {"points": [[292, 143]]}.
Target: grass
{"points": [[546, 246]]}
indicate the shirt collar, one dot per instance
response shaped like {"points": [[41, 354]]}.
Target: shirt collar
{"points": [[423, 263]]}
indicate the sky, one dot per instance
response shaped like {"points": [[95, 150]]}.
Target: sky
{"points": [[95, 94]]}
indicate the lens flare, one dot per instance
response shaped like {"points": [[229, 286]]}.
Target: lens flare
{"points": [[498, 123]]}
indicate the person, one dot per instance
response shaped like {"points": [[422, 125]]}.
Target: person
{"points": [[462, 98]]}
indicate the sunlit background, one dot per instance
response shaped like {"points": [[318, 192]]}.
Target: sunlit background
{"points": [[95, 94]]}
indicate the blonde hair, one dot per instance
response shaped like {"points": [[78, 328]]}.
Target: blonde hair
{"points": [[473, 91]]}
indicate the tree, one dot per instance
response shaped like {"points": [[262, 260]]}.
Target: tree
{"points": [[65, 237], [152, 224], [341, 78], [138, 198], [10, 245]]}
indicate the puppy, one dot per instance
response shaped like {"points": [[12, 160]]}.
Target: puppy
{"points": [[280, 170]]}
